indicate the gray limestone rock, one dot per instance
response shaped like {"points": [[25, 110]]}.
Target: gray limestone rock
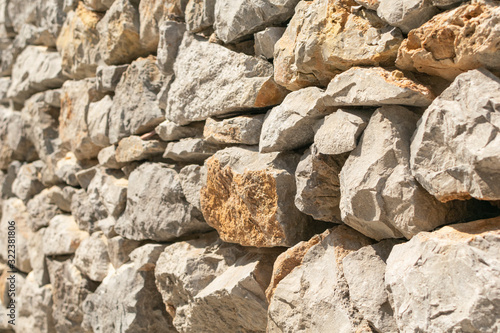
{"points": [[455, 152], [13, 143], [243, 130], [364, 271], [84, 213], [107, 226], [291, 124], [265, 41], [119, 249], [108, 189], [315, 296], [98, 5], [379, 196], [69, 289], [191, 150], [85, 176], [135, 109], [107, 77], [236, 19], [406, 14], [28, 182], [171, 33], [341, 130], [156, 206], [62, 236], [37, 68], [375, 86], [98, 121], [200, 14], [132, 286], [170, 131], [107, 158], [318, 185], [37, 258], [447, 280], [232, 82], [134, 148], [92, 258], [42, 209], [192, 178]]}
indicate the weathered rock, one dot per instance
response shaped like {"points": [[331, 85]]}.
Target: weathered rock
{"points": [[170, 131], [92, 258], [375, 87], [265, 41], [14, 210], [131, 286], [13, 144], [77, 42], [135, 109], [324, 39], [69, 289], [107, 158], [65, 167], [99, 5], [234, 20], [191, 150], [364, 271], [369, 4], [318, 185], [85, 214], [119, 249], [97, 121], [453, 42], [288, 260], [107, 226], [108, 77], [27, 183], [119, 41], [192, 179], [341, 130], [291, 124], [36, 69], [447, 280], [232, 82], [157, 206], [455, 152], [134, 148], [5, 83], [37, 258], [73, 128], [109, 189], [35, 307], [200, 15], [61, 197], [171, 33], [315, 295], [85, 176], [243, 129], [248, 198], [406, 15], [41, 210], [10, 176], [62, 236], [379, 196]]}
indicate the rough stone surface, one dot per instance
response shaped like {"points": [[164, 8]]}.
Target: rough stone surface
{"points": [[236, 19], [248, 198], [325, 38], [134, 148], [406, 15], [170, 131], [42, 209], [85, 214], [318, 185], [200, 14], [67, 167], [27, 183], [108, 189], [107, 77], [131, 286], [98, 122], [341, 130], [135, 109], [375, 86], [156, 206], [291, 124], [446, 280], [231, 82], [243, 130], [364, 271], [455, 152], [92, 257], [171, 33], [191, 150], [192, 179], [315, 295], [265, 41], [62, 236], [454, 42], [107, 158], [73, 128], [119, 249], [99, 5], [77, 42], [37, 258], [13, 144], [379, 196]]}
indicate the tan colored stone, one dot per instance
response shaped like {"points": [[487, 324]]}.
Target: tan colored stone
{"points": [[134, 148], [243, 130], [454, 42], [325, 38]]}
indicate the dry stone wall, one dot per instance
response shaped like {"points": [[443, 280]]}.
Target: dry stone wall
{"points": [[250, 166]]}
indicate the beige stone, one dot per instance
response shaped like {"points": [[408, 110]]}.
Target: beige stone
{"points": [[134, 148]]}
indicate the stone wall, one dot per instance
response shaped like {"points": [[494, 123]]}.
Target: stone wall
{"points": [[250, 166]]}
